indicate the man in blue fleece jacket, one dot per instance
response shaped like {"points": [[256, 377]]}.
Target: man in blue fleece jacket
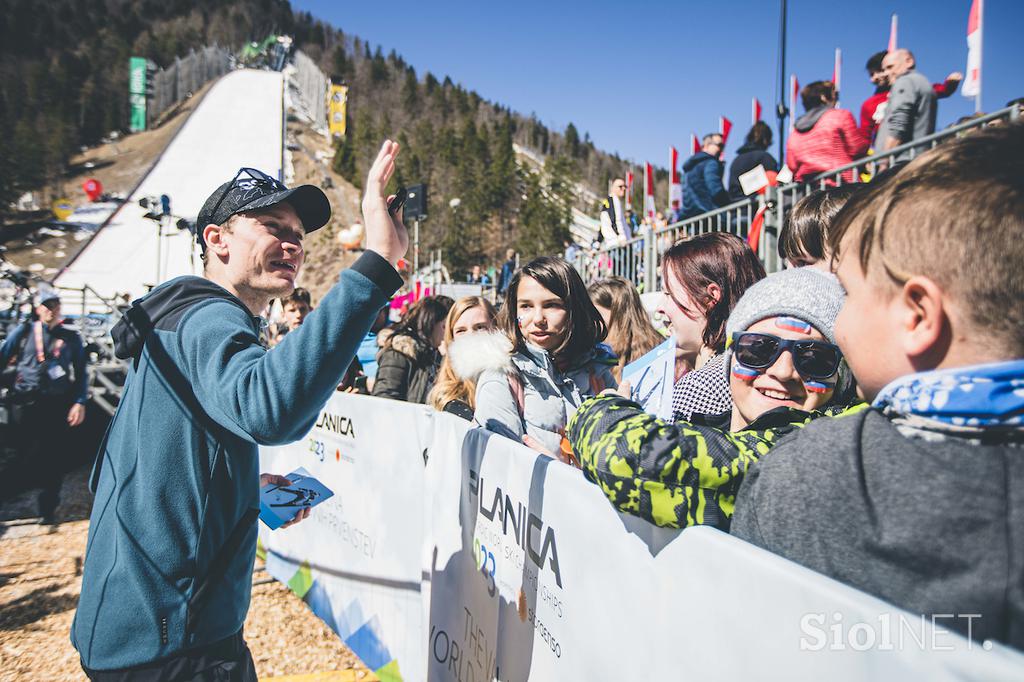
{"points": [[172, 536]]}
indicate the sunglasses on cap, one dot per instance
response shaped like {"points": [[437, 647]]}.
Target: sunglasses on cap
{"points": [[811, 359], [247, 178]]}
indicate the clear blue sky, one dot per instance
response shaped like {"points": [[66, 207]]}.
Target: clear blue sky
{"points": [[639, 76]]}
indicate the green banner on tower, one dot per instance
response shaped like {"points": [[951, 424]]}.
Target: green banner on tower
{"points": [[137, 93]]}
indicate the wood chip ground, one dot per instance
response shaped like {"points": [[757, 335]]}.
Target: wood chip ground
{"points": [[40, 578]]}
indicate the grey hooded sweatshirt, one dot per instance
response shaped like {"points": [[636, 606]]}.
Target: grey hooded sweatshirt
{"points": [[926, 516]]}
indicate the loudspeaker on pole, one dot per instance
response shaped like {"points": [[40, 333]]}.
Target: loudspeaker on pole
{"points": [[416, 203]]}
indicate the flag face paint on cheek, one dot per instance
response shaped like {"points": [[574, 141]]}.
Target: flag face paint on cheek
{"points": [[744, 373], [817, 386], [794, 325]]}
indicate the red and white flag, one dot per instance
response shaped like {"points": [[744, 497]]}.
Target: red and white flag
{"points": [[794, 92], [837, 69], [972, 80], [694, 143], [675, 185], [629, 191], [649, 191], [755, 111], [724, 128], [892, 33]]}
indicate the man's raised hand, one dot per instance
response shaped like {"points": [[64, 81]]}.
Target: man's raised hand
{"points": [[385, 233]]}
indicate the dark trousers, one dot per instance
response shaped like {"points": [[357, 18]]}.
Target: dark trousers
{"points": [[229, 660], [41, 432]]}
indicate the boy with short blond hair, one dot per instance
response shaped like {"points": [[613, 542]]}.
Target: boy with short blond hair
{"points": [[920, 500]]}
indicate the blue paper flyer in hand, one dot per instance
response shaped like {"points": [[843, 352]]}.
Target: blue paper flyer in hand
{"points": [[652, 377], [279, 504]]}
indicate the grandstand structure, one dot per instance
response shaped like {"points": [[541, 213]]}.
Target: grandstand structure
{"points": [[639, 259]]}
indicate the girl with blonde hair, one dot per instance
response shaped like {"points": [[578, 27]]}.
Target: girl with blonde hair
{"points": [[631, 333], [455, 391]]}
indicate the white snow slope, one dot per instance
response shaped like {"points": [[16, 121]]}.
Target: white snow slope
{"points": [[237, 124]]}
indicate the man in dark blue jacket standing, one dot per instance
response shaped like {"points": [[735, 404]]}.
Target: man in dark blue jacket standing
{"points": [[703, 190], [172, 536], [49, 393]]}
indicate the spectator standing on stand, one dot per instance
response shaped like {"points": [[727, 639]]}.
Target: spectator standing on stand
{"points": [[49, 394], [508, 268], [752, 154], [824, 137], [910, 113], [477, 276], [615, 228], [703, 190], [872, 112]]}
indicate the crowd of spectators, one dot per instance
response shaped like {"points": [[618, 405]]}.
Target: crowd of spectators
{"points": [[901, 109], [829, 412]]}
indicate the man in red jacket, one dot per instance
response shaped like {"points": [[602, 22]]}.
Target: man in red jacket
{"points": [[873, 110]]}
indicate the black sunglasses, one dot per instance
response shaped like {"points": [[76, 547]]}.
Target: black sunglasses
{"points": [[812, 359], [253, 175]]}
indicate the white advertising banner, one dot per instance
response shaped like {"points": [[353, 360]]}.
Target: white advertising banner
{"points": [[356, 560], [528, 573]]}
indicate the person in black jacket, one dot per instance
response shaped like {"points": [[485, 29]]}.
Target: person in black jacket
{"points": [[49, 393], [752, 154], [407, 365]]}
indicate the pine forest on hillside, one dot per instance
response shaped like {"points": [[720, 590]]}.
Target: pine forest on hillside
{"points": [[63, 84]]}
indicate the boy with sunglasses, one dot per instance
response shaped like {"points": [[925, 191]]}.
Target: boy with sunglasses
{"points": [[783, 369], [172, 535], [920, 500]]}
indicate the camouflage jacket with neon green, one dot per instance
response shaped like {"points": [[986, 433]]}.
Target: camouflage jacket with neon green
{"points": [[674, 475]]}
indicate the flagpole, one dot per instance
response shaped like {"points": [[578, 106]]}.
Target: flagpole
{"points": [[780, 107], [981, 52]]}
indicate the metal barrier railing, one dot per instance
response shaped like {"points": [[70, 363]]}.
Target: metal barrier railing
{"points": [[639, 259]]}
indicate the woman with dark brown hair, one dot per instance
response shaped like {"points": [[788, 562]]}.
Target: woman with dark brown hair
{"points": [[702, 279], [630, 331], [556, 358], [408, 362]]}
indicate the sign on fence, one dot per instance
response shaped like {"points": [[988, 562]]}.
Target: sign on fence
{"points": [[137, 94], [449, 553]]}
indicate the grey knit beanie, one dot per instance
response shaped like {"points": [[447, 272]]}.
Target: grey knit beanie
{"points": [[807, 294]]}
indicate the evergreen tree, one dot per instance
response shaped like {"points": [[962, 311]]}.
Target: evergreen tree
{"points": [[572, 141]]}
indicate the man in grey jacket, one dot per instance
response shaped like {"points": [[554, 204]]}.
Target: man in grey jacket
{"points": [[910, 114]]}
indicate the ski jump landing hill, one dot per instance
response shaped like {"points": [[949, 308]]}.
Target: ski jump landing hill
{"points": [[238, 123]]}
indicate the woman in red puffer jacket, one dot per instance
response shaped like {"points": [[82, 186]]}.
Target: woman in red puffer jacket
{"points": [[824, 138]]}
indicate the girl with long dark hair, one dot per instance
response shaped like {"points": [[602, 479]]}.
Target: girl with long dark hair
{"points": [[556, 359]]}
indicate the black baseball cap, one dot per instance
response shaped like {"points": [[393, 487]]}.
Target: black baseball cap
{"points": [[252, 189]]}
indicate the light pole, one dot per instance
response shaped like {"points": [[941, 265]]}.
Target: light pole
{"points": [[454, 205]]}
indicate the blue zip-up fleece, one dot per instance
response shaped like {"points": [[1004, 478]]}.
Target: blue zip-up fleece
{"points": [[180, 466], [703, 190]]}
